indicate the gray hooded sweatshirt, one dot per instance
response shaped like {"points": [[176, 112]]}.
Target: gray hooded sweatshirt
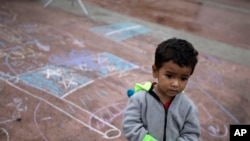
{"points": [[145, 114]]}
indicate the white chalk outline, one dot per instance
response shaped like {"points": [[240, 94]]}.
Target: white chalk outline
{"points": [[104, 135], [35, 121], [7, 134]]}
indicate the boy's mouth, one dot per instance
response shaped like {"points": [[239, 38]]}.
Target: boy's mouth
{"points": [[173, 92]]}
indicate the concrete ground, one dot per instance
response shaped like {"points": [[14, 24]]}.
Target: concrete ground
{"points": [[64, 75]]}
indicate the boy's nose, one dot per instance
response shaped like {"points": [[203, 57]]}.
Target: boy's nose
{"points": [[175, 83]]}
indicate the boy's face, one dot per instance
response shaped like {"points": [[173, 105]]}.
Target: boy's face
{"points": [[172, 79]]}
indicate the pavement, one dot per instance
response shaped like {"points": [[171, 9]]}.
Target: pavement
{"points": [[64, 74], [205, 45]]}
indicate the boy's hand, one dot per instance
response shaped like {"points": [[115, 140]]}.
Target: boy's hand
{"points": [[147, 137]]}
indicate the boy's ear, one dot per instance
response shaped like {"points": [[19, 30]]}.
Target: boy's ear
{"points": [[155, 72]]}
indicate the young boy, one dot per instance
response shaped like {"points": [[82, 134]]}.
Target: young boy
{"points": [[161, 111]]}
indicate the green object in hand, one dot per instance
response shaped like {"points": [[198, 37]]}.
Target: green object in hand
{"points": [[147, 137]]}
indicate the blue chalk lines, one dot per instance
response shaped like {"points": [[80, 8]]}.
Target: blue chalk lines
{"points": [[72, 71], [54, 79], [102, 64], [120, 31]]}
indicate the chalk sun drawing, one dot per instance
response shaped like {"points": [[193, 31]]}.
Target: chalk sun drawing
{"points": [[21, 55]]}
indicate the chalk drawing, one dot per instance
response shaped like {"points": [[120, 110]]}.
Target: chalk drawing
{"points": [[78, 43], [209, 76], [216, 131], [120, 31], [21, 56], [210, 125], [71, 108], [74, 58], [163, 35], [41, 46], [10, 35], [102, 63], [111, 86], [102, 93], [29, 27], [114, 63], [108, 114], [2, 45], [50, 33], [197, 86], [20, 53], [19, 104], [7, 121], [146, 69], [88, 98], [105, 134], [7, 15], [75, 41], [5, 132], [46, 118], [131, 78], [211, 58], [83, 102], [203, 109], [36, 124], [54, 80], [2, 54]]}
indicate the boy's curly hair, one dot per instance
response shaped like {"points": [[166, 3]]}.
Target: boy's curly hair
{"points": [[179, 51]]}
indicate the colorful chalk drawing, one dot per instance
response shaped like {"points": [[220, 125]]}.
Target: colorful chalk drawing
{"points": [[11, 35], [120, 31], [101, 63], [110, 132], [54, 79], [21, 59], [41, 35]]}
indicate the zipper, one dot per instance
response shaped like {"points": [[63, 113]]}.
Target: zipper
{"points": [[152, 93], [165, 125]]}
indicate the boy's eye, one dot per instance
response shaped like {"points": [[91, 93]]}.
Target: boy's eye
{"points": [[169, 75], [184, 79]]}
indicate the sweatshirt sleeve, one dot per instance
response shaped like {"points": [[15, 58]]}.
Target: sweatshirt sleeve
{"points": [[132, 124], [191, 128]]}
